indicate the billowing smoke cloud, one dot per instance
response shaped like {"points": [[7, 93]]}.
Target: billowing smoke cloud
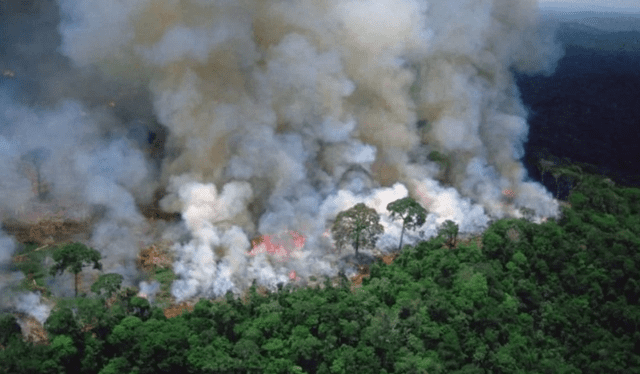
{"points": [[280, 114]]}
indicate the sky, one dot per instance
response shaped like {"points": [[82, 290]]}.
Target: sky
{"points": [[622, 6]]}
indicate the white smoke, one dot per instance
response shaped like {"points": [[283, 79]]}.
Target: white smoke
{"points": [[281, 114], [63, 156], [30, 303], [81, 168], [149, 290]]}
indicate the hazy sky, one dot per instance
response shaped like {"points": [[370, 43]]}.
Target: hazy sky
{"points": [[625, 6]]}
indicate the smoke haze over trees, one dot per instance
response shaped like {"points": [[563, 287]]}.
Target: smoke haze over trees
{"points": [[256, 119], [522, 297], [224, 138]]}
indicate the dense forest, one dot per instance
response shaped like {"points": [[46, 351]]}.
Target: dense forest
{"points": [[556, 297], [587, 111]]}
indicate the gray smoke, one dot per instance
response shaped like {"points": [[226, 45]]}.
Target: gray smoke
{"points": [[279, 115]]}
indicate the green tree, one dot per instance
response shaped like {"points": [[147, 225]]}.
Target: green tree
{"points": [[304, 347], [359, 225], [449, 230], [109, 283], [63, 322], [73, 257], [410, 212], [92, 315], [117, 365], [64, 352], [9, 328], [163, 345], [570, 174], [140, 307]]}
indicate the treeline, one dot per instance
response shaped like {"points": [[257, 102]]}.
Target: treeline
{"points": [[556, 297]]}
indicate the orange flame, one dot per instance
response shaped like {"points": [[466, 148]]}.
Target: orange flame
{"points": [[293, 276], [508, 193], [275, 246]]}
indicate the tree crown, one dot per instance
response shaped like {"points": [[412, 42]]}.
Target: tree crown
{"points": [[359, 225], [73, 257], [109, 283], [410, 211]]}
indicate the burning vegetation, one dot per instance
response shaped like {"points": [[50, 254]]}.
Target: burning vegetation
{"points": [[154, 257], [167, 146]]}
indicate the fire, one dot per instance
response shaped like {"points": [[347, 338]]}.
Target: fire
{"points": [[326, 233], [298, 239], [293, 275], [276, 246], [509, 193]]}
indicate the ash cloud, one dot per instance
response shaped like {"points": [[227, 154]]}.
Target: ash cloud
{"points": [[278, 116]]}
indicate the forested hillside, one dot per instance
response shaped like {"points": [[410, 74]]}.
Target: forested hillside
{"points": [[556, 297], [587, 111]]}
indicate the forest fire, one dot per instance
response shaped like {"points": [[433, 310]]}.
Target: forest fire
{"points": [[282, 247], [307, 186], [236, 120], [153, 257]]}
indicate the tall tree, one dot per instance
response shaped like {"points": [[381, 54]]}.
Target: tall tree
{"points": [[412, 214], [73, 257], [359, 226], [449, 230]]}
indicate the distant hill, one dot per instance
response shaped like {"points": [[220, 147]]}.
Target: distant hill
{"points": [[602, 21], [587, 111], [580, 35]]}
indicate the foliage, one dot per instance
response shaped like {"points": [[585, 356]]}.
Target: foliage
{"points": [[412, 214], [63, 321], [556, 297], [30, 259], [449, 230], [164, 276], [107, 283], [73, 257], [358, 226], [9, 328]]}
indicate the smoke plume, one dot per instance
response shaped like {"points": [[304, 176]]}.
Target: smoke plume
{"points": [[278, 114]]}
